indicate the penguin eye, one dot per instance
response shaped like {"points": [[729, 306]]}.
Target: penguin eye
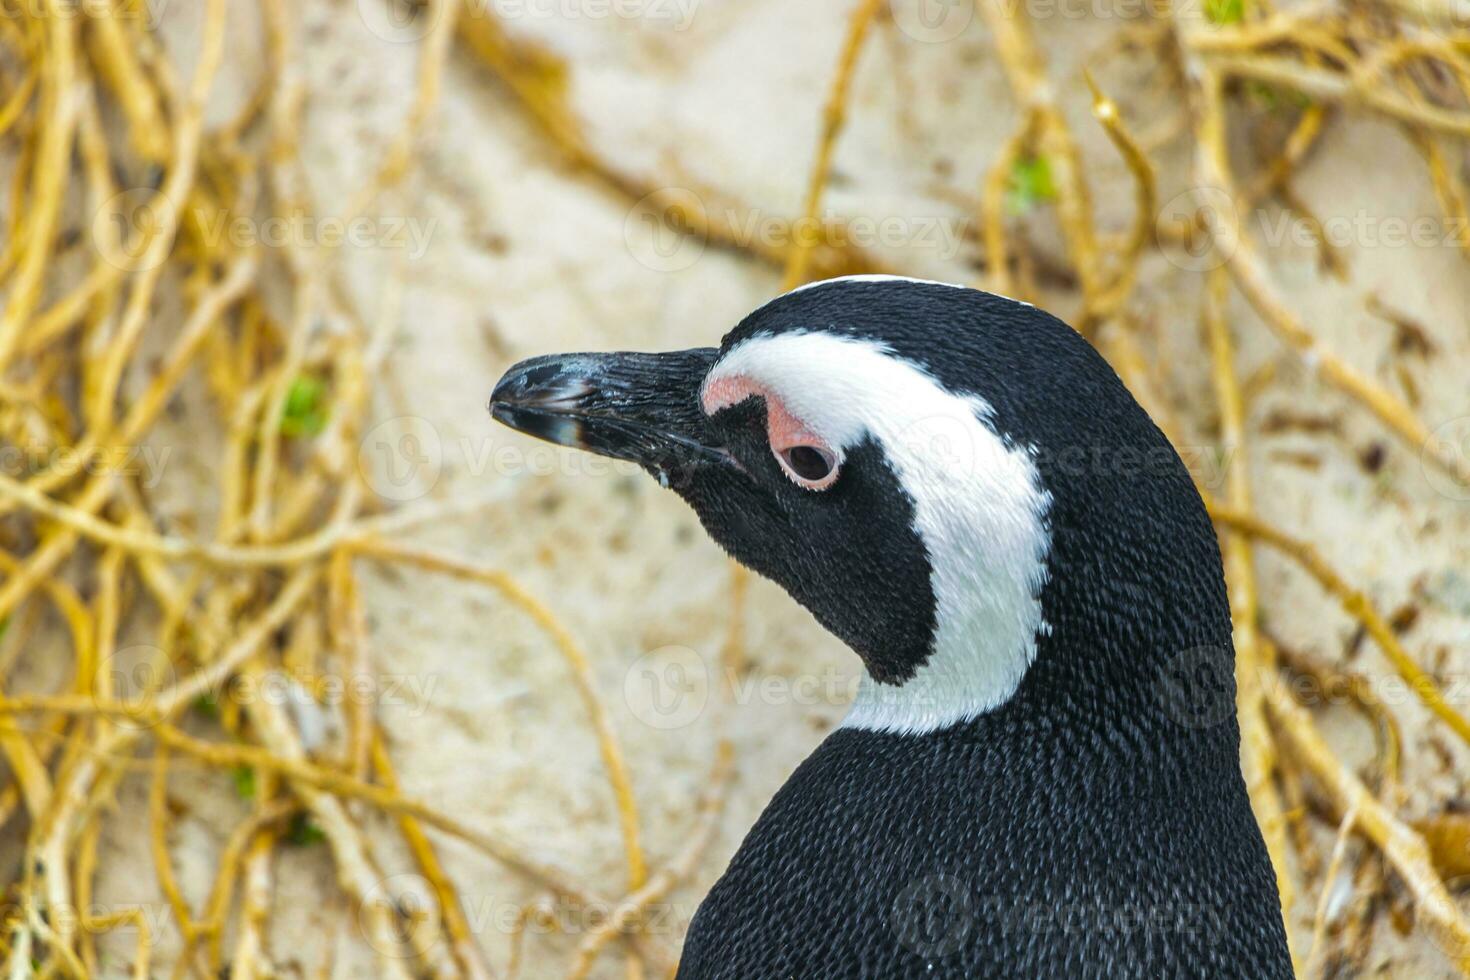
{"points": [[812, 467]]}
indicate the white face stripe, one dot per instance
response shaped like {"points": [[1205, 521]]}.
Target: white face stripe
{"points": [[878, 277], [979, 508]]}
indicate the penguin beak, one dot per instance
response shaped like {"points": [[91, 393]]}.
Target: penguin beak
{"points": [[638, 407]]}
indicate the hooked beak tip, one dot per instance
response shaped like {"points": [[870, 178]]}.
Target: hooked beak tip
{"points": [[638, 407], [543, 383], [543, 397]]}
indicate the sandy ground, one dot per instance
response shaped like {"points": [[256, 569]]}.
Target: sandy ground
{"points": [[508, 255]]}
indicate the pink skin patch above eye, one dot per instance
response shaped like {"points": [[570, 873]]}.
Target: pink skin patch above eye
{"points": [[784, 430]]}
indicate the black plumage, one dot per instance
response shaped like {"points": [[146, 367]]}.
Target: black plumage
{"points": [[1096, 823]]}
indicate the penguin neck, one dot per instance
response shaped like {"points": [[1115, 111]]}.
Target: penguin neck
{"points": [[1118, 703], [1086, 728], [1133, 646]]}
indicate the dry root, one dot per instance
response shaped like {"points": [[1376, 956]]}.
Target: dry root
{"points": [[294, 519]]}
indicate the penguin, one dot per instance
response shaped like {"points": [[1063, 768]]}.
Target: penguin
{"points": [[1039, 775]]}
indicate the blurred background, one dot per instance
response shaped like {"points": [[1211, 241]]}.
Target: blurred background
{"points": [[309, 670]]}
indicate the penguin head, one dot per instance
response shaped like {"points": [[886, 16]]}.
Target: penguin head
{"points": [[931, 470]]}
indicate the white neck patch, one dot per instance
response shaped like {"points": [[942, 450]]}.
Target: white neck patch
{"points": [[979, 508]]}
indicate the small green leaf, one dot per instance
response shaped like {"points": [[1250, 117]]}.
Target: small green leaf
{"points": [[4, 625], [1225, 11], [305, 413], [244, 782], [304, 831], [1030, 184], [1272, 98], [1263, 94], [207, 705]]}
